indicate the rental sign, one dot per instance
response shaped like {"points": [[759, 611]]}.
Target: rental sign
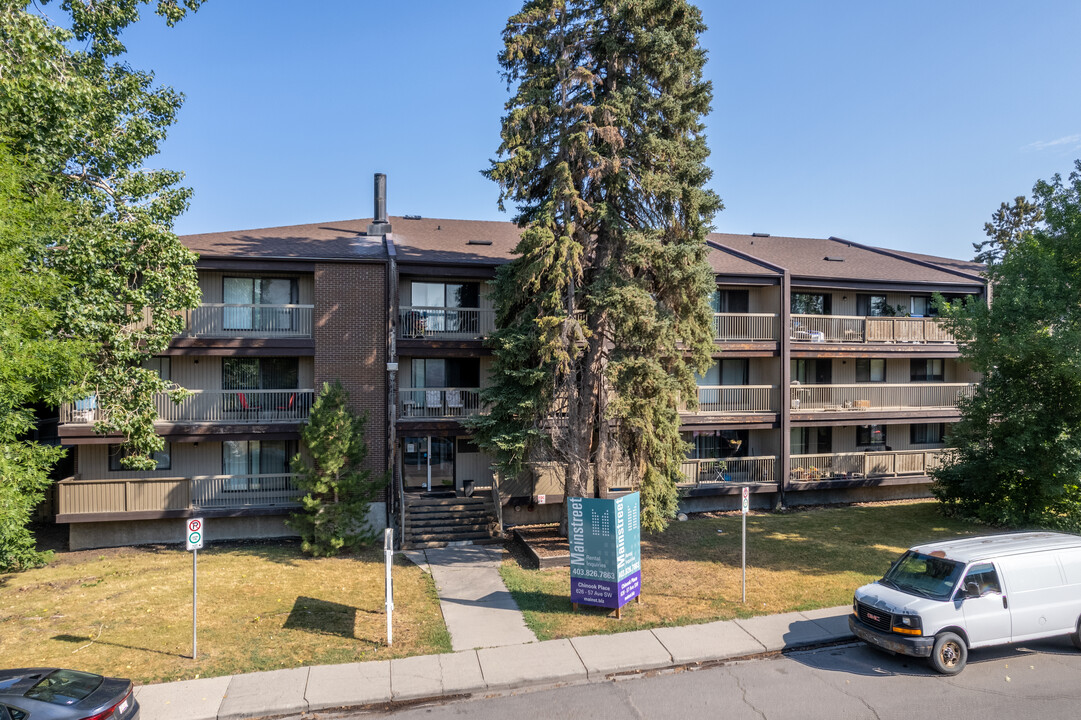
{"points": [[606, 555]]}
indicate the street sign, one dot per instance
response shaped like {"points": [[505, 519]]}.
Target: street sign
{"points": [[193, 534], [541, 499], [746, 499]]}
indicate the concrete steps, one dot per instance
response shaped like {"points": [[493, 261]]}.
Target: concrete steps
{"points": [[438, 521]]}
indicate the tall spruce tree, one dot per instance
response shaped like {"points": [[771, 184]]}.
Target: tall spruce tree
{"points": [[603, 315], [1015, 455]]}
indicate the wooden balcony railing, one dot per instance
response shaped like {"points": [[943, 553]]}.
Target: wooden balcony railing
{"points": [[859, 329], [735, 399], [87, 497], [878, 396], [729, 470], [214, 406], [749, 327], [416, 321], [221, 320], [855, 465], [414, 403]]}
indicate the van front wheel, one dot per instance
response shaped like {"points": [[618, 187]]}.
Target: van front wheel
{"points": [[949, 654]]}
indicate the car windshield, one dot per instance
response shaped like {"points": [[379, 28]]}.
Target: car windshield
{"points": [[924, 575], [65, 687]]}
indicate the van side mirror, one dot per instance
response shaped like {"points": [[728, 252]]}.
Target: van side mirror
{"points": [[972, 589]]}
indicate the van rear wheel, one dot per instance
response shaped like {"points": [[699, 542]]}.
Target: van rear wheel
{"points": [[949, 654], [1076, 636]]}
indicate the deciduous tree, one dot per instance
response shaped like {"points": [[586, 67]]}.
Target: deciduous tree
{"points": [[603, 315]]}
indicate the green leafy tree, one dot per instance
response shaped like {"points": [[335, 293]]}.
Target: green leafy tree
{"points": [[603, 315], [36, 366], [1015, 455], [337, 490], [86, 123]]}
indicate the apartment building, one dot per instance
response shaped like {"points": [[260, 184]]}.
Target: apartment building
{"points": [[831, 380]]}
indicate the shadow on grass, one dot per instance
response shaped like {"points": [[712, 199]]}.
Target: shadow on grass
{"points": [[322, 617], [83, 639]]}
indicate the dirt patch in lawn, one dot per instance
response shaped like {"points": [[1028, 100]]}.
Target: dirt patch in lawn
{"points": [[262, 606]]}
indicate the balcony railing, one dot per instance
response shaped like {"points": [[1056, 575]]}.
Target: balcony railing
{"points": [[222, 320], [859, 329], [749, 327], [735, 399], [416, 403], [416, 321], [879, 396], [855, 465], [214, 406], [84, 497], [729, 470]]}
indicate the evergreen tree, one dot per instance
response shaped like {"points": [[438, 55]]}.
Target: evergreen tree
{"points": [[1015, 455], [85, 124], [337, 491], [603, 315]]}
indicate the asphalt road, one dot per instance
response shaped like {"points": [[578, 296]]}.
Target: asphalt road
{"points": [[1039, 681]]}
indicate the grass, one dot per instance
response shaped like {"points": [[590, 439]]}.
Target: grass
{"points": [[690, 573], [127, 611]]}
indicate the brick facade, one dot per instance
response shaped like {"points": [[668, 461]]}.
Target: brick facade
{"points": [[350, 332]]}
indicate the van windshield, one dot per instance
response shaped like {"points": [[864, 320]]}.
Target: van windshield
{"points": [[924, 575]]}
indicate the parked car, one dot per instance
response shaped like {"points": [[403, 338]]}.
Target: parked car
{"points": [[56, 694], [941, 599]]}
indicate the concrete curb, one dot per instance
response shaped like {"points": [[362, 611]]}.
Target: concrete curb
{"points": [[591, 658]]}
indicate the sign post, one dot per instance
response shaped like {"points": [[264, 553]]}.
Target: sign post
{"points": [[193, 539], [388, 555], [606, 553], [746, 507]]}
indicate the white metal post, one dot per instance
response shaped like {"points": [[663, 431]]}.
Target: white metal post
{"points": [[388, 554], [194, 601], [746, 503]]}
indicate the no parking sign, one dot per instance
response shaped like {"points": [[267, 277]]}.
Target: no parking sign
{"points": [[193, 534]]}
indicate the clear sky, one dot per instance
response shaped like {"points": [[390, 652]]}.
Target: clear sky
{"points": [[901, 124]]}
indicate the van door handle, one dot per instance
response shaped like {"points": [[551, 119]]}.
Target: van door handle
{"points": [[1004, 603]]}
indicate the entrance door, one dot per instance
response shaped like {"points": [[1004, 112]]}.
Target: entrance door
{"points": [[427, 463]]}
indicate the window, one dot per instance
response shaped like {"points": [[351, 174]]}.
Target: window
{"points": [[871, 435], [927, 433], [985, 577], [445, 372], [119, 452], [163, 366], [871, 305], [927, 370], [870, 370], [811, 441], [260, 374], [811, 304], [922, 306], [437, 295], [246, 294], [15, 713], [730, 301], [711, 444], [812, 371], [466, 446], [65, 687], [247, 458]]}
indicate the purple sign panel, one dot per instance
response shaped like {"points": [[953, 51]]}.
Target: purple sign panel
{"points": [[605, 546]]}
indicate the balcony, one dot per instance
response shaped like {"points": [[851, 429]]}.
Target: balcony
{"points": [[173, 497], [733, 399], [745, 327], [879, 396], [442, 323], [858, 329], [438, 403], [229, 407], [738, 470], [857, 465], [220, 320]]}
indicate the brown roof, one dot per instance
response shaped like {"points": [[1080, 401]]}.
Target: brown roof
{"points": [[835, 259], [479, 242]]}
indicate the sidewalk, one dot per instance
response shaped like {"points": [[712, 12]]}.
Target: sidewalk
{"points": [[577, 660]]}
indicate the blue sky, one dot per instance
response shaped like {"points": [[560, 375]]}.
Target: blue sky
{"points": [[894, 124]]}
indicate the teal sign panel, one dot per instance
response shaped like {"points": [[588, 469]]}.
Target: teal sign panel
{"points": [[605, 538]]}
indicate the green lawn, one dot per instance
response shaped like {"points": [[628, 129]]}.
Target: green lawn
{"points": [[127, 611], [691, 574]]}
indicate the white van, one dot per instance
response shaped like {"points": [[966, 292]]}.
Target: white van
{"points": [[940, 599]]}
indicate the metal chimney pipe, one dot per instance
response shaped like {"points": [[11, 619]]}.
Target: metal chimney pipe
{"points": [[380, 198]]}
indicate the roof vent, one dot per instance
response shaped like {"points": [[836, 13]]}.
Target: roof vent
{"points": [[831, 258], [411, 217], [759, 234], [478, 242]]}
